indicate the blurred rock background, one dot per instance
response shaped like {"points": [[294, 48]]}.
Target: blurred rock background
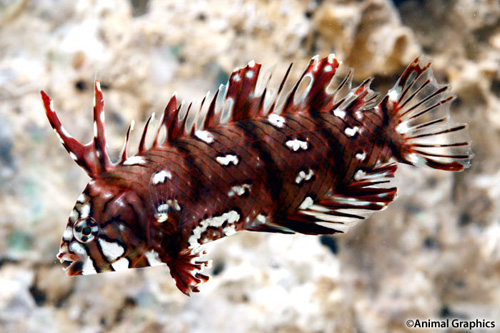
{"points": [[434, 253]]}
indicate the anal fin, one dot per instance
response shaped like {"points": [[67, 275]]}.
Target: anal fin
{"points": [[266, 227], [264, 224], [345, 207]]}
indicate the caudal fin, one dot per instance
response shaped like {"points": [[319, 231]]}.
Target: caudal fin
{"points": [[421, 131]]}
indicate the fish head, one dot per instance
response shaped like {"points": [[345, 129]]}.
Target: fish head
{"points": [[107, 228], [105, 232]]}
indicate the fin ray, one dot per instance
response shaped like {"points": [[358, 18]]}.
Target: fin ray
{"points": [[347, 206], [93, 156], [186, 270], [419, 124]]}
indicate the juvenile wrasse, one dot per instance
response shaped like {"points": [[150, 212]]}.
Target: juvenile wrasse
{"points": [[312, 162]]}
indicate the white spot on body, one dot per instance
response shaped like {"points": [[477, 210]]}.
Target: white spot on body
{"points": [[308, 202], [68, 233], [239, 190], [361, 156], [73, 215], [153, 258], [229, 230], [161, 217], [296, 144], [393, 95], [51, 106], [304, 176], [413, 158], [249, 74], [73, 156], [276, 120], [101, 117], [262, 218], [160, 177], [111, 250], [162, 208], [195, 236], [360, 174], [88, 267], [328, 68], [82, 198], [339, 113], [120, 265], [174, 204], [351, 131], [217, 221], [226, 160], [98, 85], [77, 248], [204, 136], [133, 160], [95, 129], [85, 211], [402, 128], [236, 78]]}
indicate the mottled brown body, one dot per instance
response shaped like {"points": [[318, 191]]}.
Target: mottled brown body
{"points": [[313, 164]]}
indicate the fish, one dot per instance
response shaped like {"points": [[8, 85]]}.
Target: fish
{"points": [[315, 158]]}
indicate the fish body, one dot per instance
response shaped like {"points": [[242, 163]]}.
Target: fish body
{"points": [[315, 162]]}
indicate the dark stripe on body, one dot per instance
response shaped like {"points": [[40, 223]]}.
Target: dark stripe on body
{"points": [[273, 175]]}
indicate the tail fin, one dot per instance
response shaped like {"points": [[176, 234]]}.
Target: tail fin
{"points": [[416, 110]]}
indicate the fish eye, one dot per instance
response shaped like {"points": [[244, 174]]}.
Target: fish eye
{"points": [[85, 230]]}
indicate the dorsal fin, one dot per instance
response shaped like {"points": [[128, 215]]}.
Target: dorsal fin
{"points": [[315, 98], [358, 99], [92, 157], [123, 155], [142, 143], [169, 115], [210, 119], [240, 101]]}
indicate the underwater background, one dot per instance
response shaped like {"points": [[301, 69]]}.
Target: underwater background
{"points": [[433, 254]]}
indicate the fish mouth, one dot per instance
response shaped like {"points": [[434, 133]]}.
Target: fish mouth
{"points": [[66, 264], [71, 263]]}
